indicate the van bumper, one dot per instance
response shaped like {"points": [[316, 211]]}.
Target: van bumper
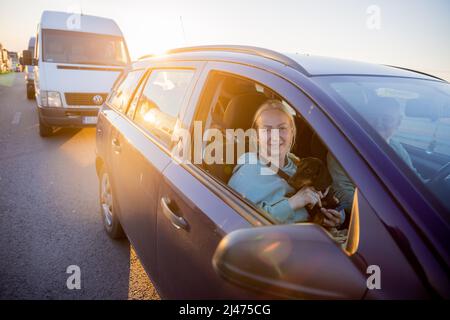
{"points": [[67, 117]]}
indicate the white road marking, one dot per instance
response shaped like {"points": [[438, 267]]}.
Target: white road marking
{"points": [[16, 118]]}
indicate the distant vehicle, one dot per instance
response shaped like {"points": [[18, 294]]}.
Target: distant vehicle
{"points": [[4, 61], [75, 66], [14, 64], [29, 72], [199, 238]]}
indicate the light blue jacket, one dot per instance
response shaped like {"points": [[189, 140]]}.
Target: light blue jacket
{"points": [[266, 191]]}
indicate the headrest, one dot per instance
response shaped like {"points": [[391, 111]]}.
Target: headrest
{"points": [[241, 109], [232, 87]]}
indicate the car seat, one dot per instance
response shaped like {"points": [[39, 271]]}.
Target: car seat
{"points": [[239, 114]]}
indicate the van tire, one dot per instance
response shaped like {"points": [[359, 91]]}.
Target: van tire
{"points": [[44, 130], [107, 206]]}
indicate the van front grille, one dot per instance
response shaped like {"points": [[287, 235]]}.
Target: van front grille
{"points": [[83, 99]]}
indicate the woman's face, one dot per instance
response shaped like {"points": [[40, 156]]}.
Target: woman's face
{"points": [[278, 142]]}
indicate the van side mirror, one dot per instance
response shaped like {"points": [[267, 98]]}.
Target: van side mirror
{"points": [[289, 261], [27, 58]]}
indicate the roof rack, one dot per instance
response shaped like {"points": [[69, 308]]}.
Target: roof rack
{"points": [[420, 72], [266, 53]]}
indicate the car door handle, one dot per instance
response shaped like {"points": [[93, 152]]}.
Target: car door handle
{"points": [[177, 221], [116, 145]]}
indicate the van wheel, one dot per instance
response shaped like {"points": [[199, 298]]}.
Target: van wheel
{"points": [[44, 130], [111, 222], [30, 93]]}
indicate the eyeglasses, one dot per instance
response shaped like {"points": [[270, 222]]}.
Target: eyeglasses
{"points": [[283, 129]]}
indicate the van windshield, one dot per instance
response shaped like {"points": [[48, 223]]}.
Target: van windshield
{"points": [[83, 48]]}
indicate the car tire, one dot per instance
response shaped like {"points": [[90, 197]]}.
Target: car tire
{"points": [[44, 130], [110, 219], [30, 93]]}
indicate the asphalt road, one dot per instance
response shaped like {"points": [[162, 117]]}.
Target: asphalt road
{"points": [[49, 215]]}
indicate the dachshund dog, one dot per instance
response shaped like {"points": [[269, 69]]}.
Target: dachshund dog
{"points": [[313, 172]]}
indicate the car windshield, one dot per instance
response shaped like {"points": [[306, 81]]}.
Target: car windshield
{"points": [[411, 115], [83, 48]]}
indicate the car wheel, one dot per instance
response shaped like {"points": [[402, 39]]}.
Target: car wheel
{"points": [[44, 130], [111, 222]]}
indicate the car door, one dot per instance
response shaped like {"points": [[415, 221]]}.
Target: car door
{"points": [[143, 135], [195, 212], [118, 156]]}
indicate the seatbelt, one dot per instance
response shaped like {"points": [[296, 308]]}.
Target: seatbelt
{"points": [[282, 174]]}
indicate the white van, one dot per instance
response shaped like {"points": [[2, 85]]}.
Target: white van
{"points": [[29, 72], [77, 58]]}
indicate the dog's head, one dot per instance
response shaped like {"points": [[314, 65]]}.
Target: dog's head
{"points": [[311, 172]]}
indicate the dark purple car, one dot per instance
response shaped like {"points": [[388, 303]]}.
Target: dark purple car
{"points": [[199, 238]]}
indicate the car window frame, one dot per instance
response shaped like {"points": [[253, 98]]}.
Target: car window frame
{"points": [[200, 108], [242, 206]]}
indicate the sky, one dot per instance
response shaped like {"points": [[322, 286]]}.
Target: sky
{"points": [[409, 33]]}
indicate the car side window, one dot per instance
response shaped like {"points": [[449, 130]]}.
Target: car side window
{"points": [[231, 102], [120, 97], [161, 101]]}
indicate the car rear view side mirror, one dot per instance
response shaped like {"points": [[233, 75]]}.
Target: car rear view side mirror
{"points": [[289, 261], [426, 108]]}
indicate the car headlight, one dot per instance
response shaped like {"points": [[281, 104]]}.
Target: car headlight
{"points": [[50, 99]]}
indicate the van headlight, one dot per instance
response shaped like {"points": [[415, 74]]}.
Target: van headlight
{"points": [[51, 99]]}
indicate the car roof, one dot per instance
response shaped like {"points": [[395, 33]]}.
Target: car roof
{"points": [[92, 24], [319, 66], [308, 65]]}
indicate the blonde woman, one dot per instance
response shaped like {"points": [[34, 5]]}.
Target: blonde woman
{"points": [[268, 191]]}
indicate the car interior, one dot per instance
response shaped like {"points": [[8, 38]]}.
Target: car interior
{"points": [[231, 103]]}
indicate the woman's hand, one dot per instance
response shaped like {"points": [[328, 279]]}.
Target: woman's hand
{"points": [[332, 218], [305, 196]]}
